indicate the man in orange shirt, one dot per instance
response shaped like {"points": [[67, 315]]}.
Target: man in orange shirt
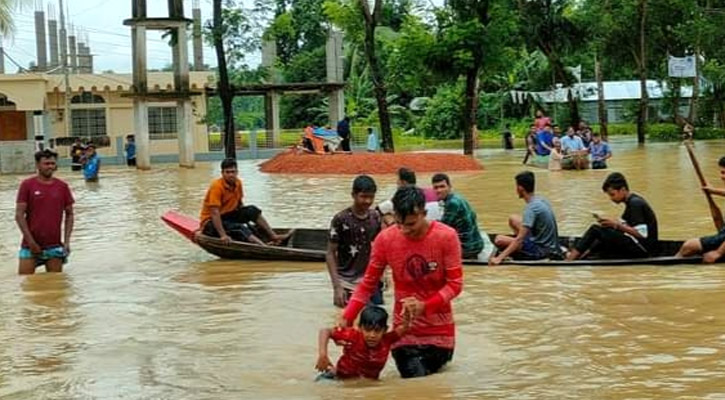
{"points": [[225, 216]]}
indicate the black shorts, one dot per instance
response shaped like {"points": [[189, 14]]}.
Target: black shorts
{"points": [[415, 361], [710, 243], [236, 223], [131, 162], [600, 164]]}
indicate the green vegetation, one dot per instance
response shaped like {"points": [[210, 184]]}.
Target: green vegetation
{"points": [[460, 60]]}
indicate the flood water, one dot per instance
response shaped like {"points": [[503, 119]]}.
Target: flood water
{"points": [[143, 314]]}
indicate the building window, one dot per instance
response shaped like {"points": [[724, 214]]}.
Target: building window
{"points": [[162, 123], [88, 122], [87, 98]]}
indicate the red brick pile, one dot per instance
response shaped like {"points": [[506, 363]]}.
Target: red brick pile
{"points": [[367, 163]]}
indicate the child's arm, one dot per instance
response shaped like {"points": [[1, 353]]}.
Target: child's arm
{"points": [[323, 360]]}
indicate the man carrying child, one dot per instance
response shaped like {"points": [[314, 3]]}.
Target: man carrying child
{"points": [[425, 258]]}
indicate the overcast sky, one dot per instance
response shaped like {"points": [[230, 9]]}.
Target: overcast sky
{"points": [[110, 40]]}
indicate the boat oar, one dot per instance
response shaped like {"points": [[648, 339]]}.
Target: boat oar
{"points": [[714, 209]]}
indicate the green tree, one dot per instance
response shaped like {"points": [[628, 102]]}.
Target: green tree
{"points": [[547, 25], [472, 34], [362, 31]]}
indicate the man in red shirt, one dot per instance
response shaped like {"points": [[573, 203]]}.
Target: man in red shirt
{"points": [[40, 206], [425, 257]]}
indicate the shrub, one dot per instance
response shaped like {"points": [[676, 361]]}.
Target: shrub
{"points": [[444, 114]]}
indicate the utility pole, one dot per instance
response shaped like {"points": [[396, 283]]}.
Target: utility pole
{"points": [[64, 63]]}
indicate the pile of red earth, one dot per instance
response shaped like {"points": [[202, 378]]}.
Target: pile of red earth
{"points": [[367, 163]]}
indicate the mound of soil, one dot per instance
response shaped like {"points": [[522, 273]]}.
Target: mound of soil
{"points": [[291, 162]]}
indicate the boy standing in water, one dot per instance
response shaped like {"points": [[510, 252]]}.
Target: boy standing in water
{"points": [[365, 349], [91, 164], [352, 232], [130, 149]]}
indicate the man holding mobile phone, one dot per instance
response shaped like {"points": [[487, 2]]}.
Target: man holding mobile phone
{"points": [[633, 236]]}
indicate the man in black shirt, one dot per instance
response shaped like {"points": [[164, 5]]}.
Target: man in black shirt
{"points": [[352, 232], [633, 236], [343, 131]]}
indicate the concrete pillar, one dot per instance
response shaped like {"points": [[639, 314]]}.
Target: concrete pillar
{"points": [[140, 108], [138, 53], [53, 42], [269, 59], [181, 64], [81, 57], [73, 52], [334, 62], [138, 9], [271, 109], [2, 56], [141, 133], [41, 51], [185, 133], [197, 40], [176, 8]]}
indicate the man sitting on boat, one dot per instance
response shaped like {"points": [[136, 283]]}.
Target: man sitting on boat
{"points": [[459, 215], [406, 176], [536, 235], [633, 236], [711, 247], [225, 216]]}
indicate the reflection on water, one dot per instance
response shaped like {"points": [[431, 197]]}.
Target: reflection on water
{"points": [[141, 313]]}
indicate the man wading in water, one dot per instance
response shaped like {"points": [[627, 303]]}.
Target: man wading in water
{"points": [[41, 204], [426, 261], [352, 232]]}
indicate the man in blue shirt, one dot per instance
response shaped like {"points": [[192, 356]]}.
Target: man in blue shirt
{"points": [[573, 146], [91, 163], [600, 152], [130, 149], [544, 141]]}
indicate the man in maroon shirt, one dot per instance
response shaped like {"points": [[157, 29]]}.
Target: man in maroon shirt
{"points": [[425, 257], [40, 206]]}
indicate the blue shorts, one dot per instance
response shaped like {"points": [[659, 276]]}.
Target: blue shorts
{"points": [[530, 250], [44, 256]]}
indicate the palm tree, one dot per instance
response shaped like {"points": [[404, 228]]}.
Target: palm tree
{"points": [[7, 11]]}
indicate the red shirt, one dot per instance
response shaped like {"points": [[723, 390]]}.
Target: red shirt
{"points": [[358, 360], [429, 269], [540, 123], [46, 203]]}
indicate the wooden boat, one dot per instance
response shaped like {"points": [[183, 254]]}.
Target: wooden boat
{"points": [[311, 244]]}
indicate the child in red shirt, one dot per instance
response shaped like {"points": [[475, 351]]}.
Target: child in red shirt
{"points": [[365, 349]]}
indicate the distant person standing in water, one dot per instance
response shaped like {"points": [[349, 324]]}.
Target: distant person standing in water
{"points": [[91, 164], [372, 141], [76, 154], [130, 150], [343, 131], [508, 138], [42, 203]]}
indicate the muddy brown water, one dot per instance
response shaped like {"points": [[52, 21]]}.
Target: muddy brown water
{"points": [[141, 313]]}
